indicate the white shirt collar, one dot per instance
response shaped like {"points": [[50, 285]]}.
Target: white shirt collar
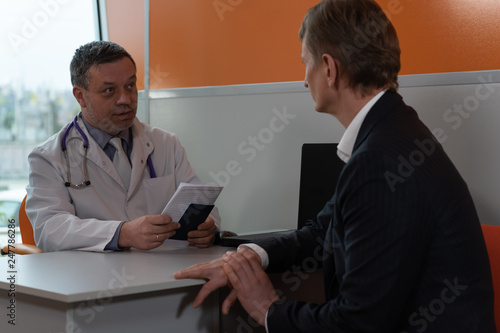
{"points": [[346, 144]]}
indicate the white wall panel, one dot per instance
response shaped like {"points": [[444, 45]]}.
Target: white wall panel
{"points": [[467, 118], [242, 142]]}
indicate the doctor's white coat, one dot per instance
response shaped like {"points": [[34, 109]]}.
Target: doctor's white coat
{"points": [[65, 218]]}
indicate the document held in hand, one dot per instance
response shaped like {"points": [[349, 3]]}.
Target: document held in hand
{"points": [[187, 194]]}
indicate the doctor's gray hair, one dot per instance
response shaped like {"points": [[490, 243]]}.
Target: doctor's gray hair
{"points": [[92, 54]]}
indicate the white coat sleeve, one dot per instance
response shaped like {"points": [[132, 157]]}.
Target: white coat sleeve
{"points": [[52, 213]]}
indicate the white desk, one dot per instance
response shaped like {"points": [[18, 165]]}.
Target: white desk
{"points": [[131, 291]]}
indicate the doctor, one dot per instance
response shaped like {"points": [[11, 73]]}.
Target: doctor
{"points": [[77, 198]]}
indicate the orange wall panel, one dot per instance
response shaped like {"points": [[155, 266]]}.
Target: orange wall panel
{"points": [[224, 42], [446, 35], [126, 28]]}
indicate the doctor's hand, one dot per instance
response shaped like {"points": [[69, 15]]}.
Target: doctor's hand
{"points": [[147, 232], [204, 235]]}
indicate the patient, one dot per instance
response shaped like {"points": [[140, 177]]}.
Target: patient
{"points": [[401, 249]]}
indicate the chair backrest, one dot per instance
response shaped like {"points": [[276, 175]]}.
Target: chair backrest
{"points": [[25, 225], [492, 238]]}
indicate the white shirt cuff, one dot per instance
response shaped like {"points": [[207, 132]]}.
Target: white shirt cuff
{"points": [[264, 258], [267, 329]]}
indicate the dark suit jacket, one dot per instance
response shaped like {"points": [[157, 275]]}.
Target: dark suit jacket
{"points": [[400, 242]]}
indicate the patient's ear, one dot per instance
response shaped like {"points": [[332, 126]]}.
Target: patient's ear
{"points": [[331, 69]]}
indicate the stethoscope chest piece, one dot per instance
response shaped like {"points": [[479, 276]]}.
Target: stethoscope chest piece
{"points": [[86, 180]]}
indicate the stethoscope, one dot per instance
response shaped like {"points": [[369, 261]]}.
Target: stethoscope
{"points": [[86, 181]]}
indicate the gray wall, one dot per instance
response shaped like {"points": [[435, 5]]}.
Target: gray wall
{"points": [[250, 141]]}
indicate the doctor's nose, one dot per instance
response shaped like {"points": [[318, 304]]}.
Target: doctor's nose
{"points": [[124, 98], [306, 84]]}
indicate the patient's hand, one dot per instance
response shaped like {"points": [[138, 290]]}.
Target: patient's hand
{"points": [[213, 272], [251, 283]]}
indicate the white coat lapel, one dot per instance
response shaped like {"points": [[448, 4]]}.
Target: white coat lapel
{"points": [[140, 152]]}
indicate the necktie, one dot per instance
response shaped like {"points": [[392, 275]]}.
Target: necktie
{"points": [[121, 162]]}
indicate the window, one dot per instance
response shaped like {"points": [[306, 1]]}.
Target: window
{"points": [[39, 38]]}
